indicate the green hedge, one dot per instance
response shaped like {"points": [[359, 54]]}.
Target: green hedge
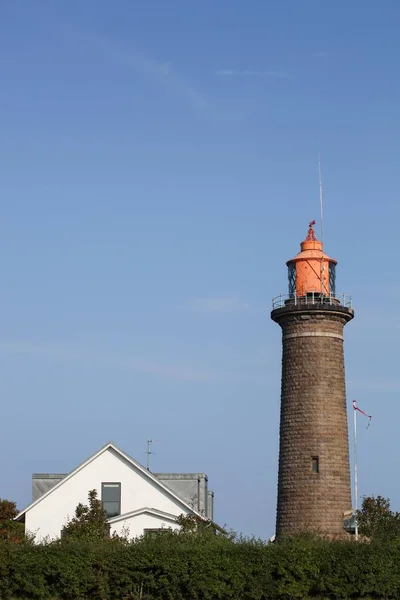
{"points": [[174, 567]]}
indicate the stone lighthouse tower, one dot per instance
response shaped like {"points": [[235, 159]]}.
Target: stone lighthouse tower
{"points": [[314, 490]]}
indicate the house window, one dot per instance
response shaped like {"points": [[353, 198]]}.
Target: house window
{"points": [[111, 498], [314, 464], [155, 532]]}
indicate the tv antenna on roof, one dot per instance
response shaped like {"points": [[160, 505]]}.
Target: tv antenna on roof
{"points": [[149, 452]]}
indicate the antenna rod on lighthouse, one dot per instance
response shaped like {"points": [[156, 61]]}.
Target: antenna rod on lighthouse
{"points": [[321, 200]]}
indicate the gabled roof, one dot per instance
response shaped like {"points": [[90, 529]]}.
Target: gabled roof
{"points": [[141, 511], [146, 474], [160, 513]]}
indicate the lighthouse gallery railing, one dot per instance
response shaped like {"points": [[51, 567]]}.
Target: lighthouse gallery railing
{"points": [[312, 298]]}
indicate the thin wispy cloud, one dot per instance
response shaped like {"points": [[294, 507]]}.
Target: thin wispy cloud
{"points": [[251, 73], [129, 363], [162, 73], [180, 373], [147, 67], [218, 304], [376, 385]]}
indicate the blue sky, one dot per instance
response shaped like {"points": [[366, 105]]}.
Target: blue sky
{"points": [[158, 168]]}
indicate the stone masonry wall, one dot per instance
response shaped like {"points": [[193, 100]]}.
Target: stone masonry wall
{"points": [[313, 423]]}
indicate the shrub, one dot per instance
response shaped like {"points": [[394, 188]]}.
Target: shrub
{"points": [[186, 567]]}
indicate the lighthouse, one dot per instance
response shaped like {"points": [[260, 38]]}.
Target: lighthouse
{"points": [[314, 489]]}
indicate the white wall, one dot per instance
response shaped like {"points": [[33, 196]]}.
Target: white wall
{"points": [[47, 518], [135, 526]]}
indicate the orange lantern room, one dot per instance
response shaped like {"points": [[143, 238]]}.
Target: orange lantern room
{"points": [[311, 272]]}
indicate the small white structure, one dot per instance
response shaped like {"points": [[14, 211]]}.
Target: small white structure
{"points": [[135, 500]]}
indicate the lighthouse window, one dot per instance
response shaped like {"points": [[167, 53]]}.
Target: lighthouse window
{"points": [[292, 279], [315, 464], [332, 278]]}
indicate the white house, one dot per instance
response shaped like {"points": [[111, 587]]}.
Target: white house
{"points": [[136, 500]]}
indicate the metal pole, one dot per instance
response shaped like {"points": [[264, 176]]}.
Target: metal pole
{"points": [[321, 201], [148, 454], [324, 284], [355, 474]]}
